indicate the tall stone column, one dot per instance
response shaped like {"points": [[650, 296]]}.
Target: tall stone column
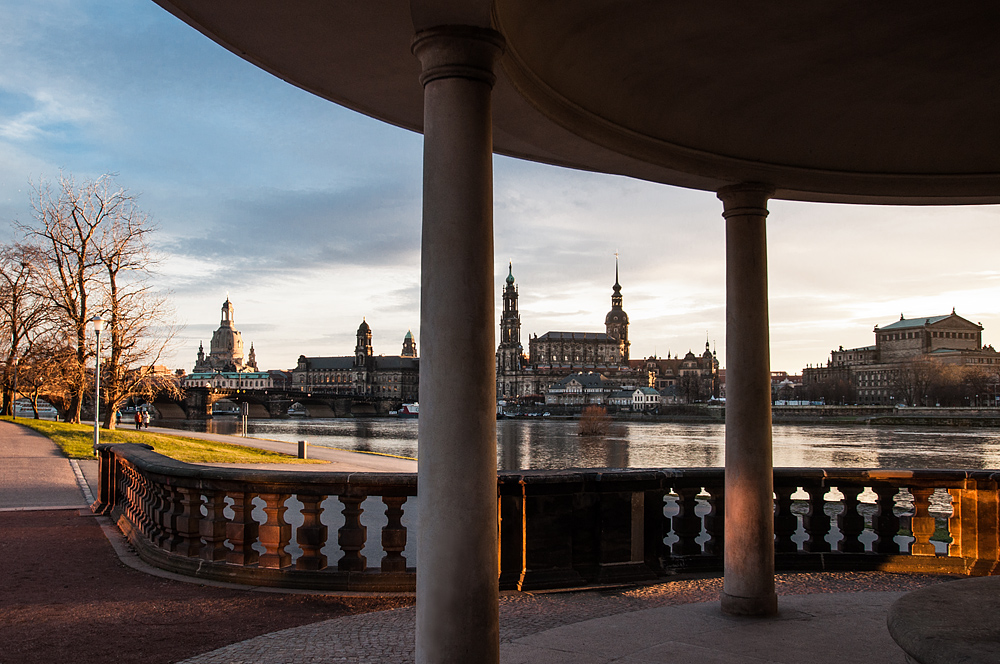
{"points": [[457, 591], [749, 550]]}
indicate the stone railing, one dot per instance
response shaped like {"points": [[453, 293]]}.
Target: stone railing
{"points": [[557, 528]]}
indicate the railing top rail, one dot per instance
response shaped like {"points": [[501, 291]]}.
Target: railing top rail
{"points": [[170, 471]]}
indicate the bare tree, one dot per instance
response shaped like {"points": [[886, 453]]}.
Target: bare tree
{"points": [[24, 311], [138, 333], [95, 260], [46, 371]]}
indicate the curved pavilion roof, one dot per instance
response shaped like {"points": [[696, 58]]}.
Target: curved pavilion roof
{"points": [[850, 102]]}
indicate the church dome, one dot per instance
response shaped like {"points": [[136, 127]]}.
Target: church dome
{"points": [[616, 316], [363, 327]]}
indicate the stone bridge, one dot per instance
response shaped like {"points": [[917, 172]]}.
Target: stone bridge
{"points": [[197, 403]]}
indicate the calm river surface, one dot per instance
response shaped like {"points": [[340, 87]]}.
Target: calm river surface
{"points": [[545, 444]]}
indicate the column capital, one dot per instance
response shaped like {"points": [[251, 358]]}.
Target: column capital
{"points": [[458, 51], [748, 198]]}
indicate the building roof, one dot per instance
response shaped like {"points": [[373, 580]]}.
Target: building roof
{"points": [[575, 336], [396, 362], [646, 390], [909, 323], [342, 362], [585, 379], [878, 105]]}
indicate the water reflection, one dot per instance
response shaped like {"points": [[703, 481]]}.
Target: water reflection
{"points": [[545, 444]]}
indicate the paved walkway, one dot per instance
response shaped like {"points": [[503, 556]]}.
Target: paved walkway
{"points": [[34, 474], [832, 617]]}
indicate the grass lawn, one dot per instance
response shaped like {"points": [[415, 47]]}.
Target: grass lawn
{"points": [[77, 440]]}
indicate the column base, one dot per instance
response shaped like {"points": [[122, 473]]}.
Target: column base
{"points": [[761, 607]]}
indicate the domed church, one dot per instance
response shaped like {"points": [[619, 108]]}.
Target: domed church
{"points": [[226, 349]]}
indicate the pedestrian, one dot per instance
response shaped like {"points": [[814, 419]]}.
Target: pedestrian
{"points": [[145, 419], [138, 420], [118, 417]]}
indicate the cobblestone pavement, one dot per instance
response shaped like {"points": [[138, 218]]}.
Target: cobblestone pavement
{"points": [[387, 636]]}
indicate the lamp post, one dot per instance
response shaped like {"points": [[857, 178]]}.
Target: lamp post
{"points": [[97, 324], [13, 406]]}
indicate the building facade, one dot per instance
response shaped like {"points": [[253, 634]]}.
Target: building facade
{"points": [[899, 367], [689, 379], [554, 356], [394, 377]]}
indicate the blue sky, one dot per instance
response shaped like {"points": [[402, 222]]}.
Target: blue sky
{"points": [[307, 215]]}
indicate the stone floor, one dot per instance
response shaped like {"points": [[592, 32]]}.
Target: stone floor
{"points": [[830, 618]]}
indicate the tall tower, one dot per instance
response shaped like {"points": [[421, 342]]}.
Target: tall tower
{"points": [[616, 321], [363, 350], [509, 351], [227, 343], [409, 345]]}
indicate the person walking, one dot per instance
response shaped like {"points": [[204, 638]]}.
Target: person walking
{"points": [[138, 420], [145, 419]]}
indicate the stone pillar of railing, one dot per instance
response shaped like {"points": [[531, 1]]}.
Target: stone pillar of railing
{"points": [[785, 521], [393, 535], [974, 526], [686, 523], [457, 595], [242, 531], [816, 522], [922, 523], [885, 523], [275, 533], [851, 521], [748, 587], [311, 535], [352, 535], [213, 526]]}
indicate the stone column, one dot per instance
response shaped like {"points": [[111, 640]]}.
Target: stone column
{"points": [[457, 588], [749, 552]]}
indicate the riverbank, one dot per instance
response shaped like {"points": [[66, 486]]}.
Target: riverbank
{"points": [[834, 415]]}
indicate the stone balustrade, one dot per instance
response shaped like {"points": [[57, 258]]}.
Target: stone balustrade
{"points": [[349, 531]]}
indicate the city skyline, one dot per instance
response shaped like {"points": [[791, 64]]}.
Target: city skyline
{"points": [[308, 215]]}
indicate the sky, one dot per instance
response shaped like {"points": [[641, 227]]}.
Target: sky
{"points": [[307, 215]]}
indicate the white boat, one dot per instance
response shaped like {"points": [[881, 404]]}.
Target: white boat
{"points": [[409, 410]]}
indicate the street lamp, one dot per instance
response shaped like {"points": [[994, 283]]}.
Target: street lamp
{"points": [[13, 407], [97, 324]]}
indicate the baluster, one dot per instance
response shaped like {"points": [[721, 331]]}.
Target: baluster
{"points": [[955, 524], [885, 523], [352, 535], [145, 507], [655, 529], [213, 526], [276, 534], [715, 520], [394, 535], [922, 523], [816, 522], [851, 521], [686, 524], [242, 531], [157, 535], [785, 521], [311, 535], [170, 514], [188, 523]]}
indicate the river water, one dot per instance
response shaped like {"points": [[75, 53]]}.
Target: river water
{"points": [[551, 444]]}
